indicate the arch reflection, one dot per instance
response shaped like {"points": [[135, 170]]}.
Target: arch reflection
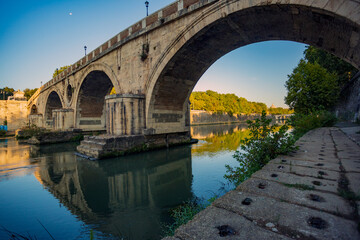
{"points": [[126, 197]]}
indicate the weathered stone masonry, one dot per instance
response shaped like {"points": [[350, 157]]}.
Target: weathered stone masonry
{"points": [[162, 56]]}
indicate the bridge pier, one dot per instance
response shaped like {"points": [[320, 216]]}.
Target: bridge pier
{"points": [[125, 114], [63, 119]]}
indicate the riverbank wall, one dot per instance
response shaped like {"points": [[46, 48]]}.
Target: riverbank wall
{"points": [[14, 112], [348, 107], [201, 117]]}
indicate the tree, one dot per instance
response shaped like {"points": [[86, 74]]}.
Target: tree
{"points": [[6, 92], [58, 71], [29, 92], [331, 63], [311, 87]]}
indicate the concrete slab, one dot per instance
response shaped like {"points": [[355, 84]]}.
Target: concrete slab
{"points": [[315, 158], [304, 171], [287, 178], [327, 202], [205, 226], [354, 182], [311, 164], [297, 219], [351, 165], [353, 133], [171, 238]]}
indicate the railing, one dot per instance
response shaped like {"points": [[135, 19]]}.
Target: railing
{"points": [[151, 22]]}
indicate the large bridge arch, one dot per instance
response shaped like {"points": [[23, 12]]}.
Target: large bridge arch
{"points": [[53, 101], [95, 83], [227, 25]]}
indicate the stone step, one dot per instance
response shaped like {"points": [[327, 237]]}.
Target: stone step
{"points": [[88, 151]]}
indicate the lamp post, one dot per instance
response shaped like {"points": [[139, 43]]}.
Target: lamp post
{"points": [[147, 6], [85, 49]]}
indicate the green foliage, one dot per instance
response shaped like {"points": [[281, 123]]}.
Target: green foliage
{"points": [[303, 123], [6, 92], [183, 214], [29, 92], [311, 87], [317, 80], [264, 144], [343, 70], [220, 142], [299, 186], [58, 71], [77, 138], [2, 133], [30, 131], [280, 111], [349, 195], [227, 103]]}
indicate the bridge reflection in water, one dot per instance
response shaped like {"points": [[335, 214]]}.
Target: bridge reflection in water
{"points": [[127, 198]]}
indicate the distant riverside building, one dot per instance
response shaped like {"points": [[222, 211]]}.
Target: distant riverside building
{"points": [[18, 96]]}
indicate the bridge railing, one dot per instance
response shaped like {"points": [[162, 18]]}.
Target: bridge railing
{"points": [[163, 16], [34, 96]]}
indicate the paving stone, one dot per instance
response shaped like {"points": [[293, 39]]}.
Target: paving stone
{"points": [[205, 226], [319, 184], [312, 164], [171, 238], [354, 182], [351, 165], [315, 158], [304, 171], [314, 199], [289, 217]]}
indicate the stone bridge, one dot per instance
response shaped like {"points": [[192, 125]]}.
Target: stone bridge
{"points": [[155, 63]]}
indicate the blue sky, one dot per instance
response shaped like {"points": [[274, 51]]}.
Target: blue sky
{"points": [[39, 36]]}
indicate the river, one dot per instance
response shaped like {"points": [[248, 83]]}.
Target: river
{"points": [[49, 189]]}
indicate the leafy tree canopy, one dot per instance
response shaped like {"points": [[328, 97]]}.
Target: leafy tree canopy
{"points": [[343, 70], [59, 70], [29, 92], [225, 103], [6, 92], [311, 87], [316, 81]]}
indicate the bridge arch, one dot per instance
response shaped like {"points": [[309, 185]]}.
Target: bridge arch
{"points": [[96, 82], [53, 101], [227, 25]]}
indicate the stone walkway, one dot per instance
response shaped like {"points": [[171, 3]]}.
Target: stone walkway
{"points": [[308, 194]]}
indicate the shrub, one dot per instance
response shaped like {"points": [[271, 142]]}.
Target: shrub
{"points": [[30, 131], [303, 123], [2, 133], [264, 144]]}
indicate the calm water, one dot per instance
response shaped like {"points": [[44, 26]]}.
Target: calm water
{"points": [[127, 197]]}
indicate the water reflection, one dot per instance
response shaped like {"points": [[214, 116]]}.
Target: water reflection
{"points": [[218, 138], [126, 197]]}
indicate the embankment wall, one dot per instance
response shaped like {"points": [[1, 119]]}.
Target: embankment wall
{"points": [[15, 112], [348, 107]]}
